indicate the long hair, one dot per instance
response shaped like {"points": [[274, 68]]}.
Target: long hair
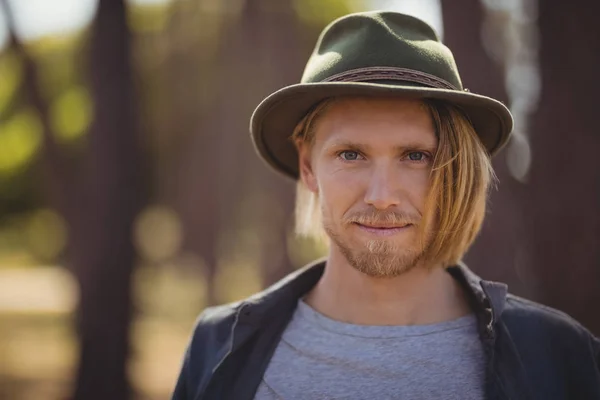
{"points": [[460, 179]]}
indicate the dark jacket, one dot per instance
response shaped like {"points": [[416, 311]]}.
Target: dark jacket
{"points": [[532, 351]]}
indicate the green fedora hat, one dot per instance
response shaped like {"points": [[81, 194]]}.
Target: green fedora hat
{"points": [[379, 53]]}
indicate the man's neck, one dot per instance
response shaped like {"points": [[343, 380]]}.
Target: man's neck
{"points": [[419, 296]]}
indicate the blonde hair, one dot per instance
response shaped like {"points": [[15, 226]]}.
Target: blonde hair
{"points": [[307, 212], [460, 180]]}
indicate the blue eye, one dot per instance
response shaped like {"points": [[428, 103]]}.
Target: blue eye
{"points": [[417, 156], [348, 155]]}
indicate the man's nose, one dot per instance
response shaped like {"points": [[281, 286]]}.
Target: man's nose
{"points": [[382, 190]]}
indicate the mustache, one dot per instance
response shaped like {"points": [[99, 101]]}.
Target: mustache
{"points": [[374, 217]]}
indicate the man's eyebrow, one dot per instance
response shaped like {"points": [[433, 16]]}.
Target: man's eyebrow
{"points": [[418, 145], [348, 144]]}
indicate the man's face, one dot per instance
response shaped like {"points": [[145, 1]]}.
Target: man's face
{"points": [[370, 166]]}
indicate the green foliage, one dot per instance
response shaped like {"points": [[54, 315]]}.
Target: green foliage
{"points": [[59, 44], [20, 139], [148, 18], [71, 113], [59, 62], [10, 79]]}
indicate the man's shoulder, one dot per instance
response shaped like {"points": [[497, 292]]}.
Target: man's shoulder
{"points": [[215, 318], [535, 323], [216, 322], [524, 310], [284, 292]]}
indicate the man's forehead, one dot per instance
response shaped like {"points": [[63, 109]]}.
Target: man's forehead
{"points": [[365, 116]]}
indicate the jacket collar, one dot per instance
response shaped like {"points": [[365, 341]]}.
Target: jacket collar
{"points": [[276, 304], [488, 297]]}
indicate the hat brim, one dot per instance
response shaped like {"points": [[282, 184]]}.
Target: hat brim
{"points": [[275, 118]]}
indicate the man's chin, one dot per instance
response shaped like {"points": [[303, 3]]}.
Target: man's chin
{"points": [[382, 258], [383, 265]]}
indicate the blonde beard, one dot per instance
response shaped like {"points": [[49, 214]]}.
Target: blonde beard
{"points": [[380, 258]]}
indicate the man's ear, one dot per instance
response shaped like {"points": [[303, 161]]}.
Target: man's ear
{"points": [[305, 166]]}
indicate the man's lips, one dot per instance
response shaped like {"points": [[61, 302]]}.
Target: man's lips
{"points": [[382, 229], [383, 225]]}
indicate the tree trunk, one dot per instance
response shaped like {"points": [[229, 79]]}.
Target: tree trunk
{"points": [[274, 24], [259, 54], [565, 173], [194, 181], [497, 252], [103, 254]]}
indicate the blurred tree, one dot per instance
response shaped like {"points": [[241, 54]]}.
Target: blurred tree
{"points": [[108, 199], [498, 250], [99, 195], [194, 155], [257, 53], [280, 59], [564, 194]]}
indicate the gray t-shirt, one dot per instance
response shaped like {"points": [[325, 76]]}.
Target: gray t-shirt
{"points": [[320, 358]]}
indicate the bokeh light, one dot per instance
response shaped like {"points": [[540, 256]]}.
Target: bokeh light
{"points": [[158, 233]]}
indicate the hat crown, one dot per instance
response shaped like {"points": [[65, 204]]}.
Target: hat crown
{"points": [[381, 53], [365, 41]]}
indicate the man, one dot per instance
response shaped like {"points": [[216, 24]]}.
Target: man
{"points": [[392, 158]]}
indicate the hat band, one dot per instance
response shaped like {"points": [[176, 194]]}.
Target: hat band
{"points": [[390, 73]]}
